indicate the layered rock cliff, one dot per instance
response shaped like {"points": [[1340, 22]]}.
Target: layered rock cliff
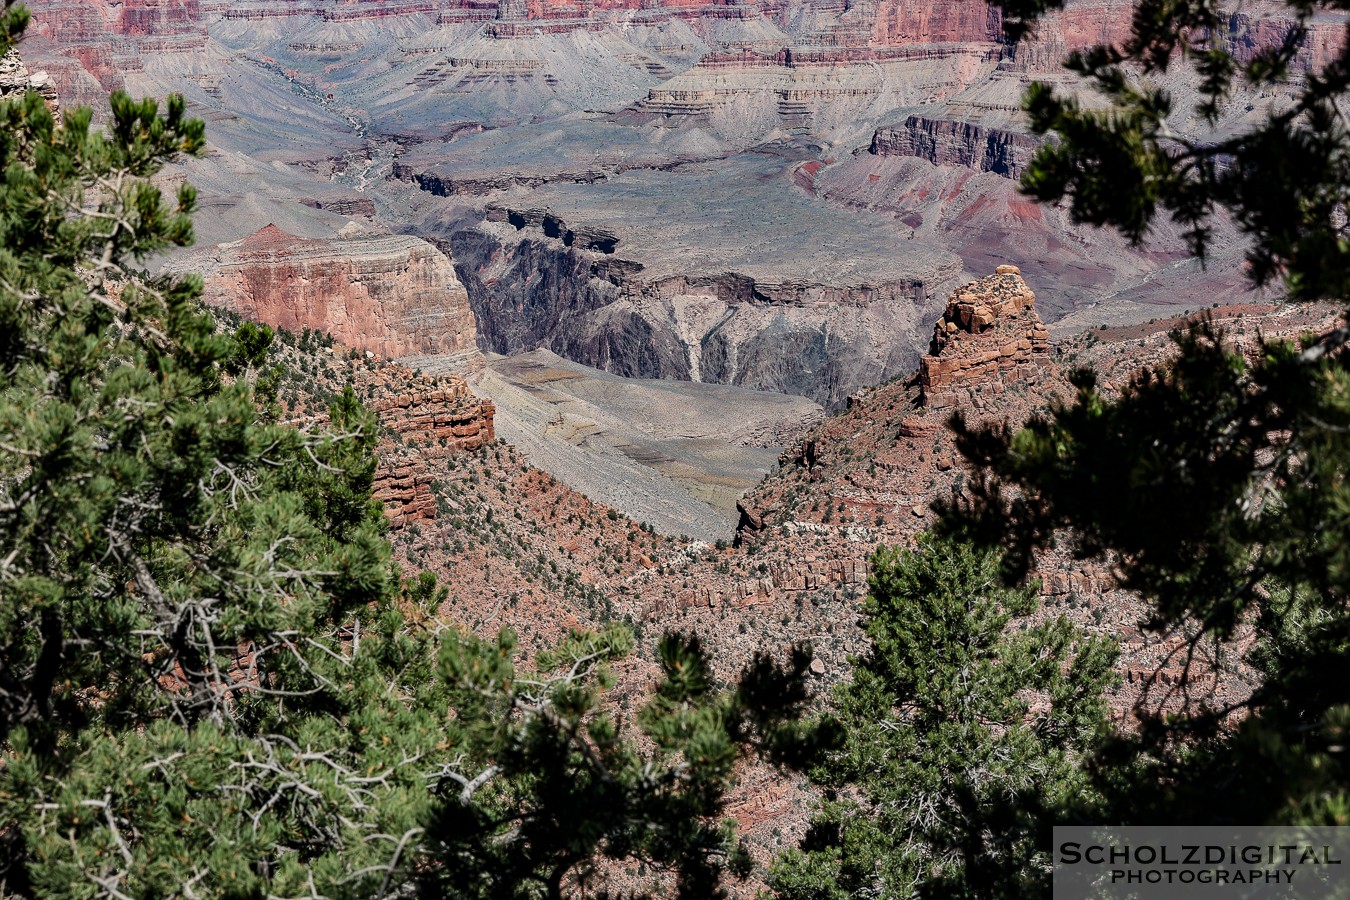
{"points": [[425, 422], [391, 295], [924, 21], [151, 25], [91, 46], [428, 420], [952, 142], [989, 334], [817, 340]]}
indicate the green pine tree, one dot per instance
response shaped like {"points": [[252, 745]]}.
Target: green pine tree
{"points": [[558, 788], [1215, 485], [965, 726]]}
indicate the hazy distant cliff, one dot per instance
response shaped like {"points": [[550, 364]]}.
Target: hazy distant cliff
{"points": [[392, 295], [952, 142], [818, 340]]}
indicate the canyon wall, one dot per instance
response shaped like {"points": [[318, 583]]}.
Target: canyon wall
{"points": [[605, 145], [822, 341], [952, 142], [925, 21], [91, 46], [390, 295], [423, 421]]}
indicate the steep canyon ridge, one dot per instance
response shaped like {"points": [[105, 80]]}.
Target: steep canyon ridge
{"points": [[775, 195]]}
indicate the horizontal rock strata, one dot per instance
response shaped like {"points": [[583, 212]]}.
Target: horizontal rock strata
{"points": [[391, 295], [990, 332], [422, 420], [431, 423], [951, 142]]}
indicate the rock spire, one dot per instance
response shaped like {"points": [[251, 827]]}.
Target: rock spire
{"points": [[989, 336]]}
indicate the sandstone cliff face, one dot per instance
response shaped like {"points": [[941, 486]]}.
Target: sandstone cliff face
{"points": [[148, 24], [951, 142], [146, 18], [90, 46], [990, 332], [425, 422], [925, 21], [432, 421], [391, 295]]}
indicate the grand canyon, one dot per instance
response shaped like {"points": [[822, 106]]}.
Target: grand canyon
{"points": [[661, 241], [663, 304], [771, 196]]}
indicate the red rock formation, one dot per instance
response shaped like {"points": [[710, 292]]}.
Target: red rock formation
{"points": [[72, 23], [447, 415], [89, 45], [989, 332], [391, 295], [432, 421], [159, 17], [424, 420], [925, 21]]}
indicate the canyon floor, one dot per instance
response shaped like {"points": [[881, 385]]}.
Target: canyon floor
{"points": [[677, 455]]}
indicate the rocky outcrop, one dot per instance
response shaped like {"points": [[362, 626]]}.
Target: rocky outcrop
{"points": [[391, 295], [15, 79], [951, 142], [781, 581], [598, 239], [447, 415], [431, 421], [423, 421], [989, 333]]}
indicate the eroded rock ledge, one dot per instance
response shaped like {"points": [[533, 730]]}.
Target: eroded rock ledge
{"points": [[15, 79], [432, 421], [951, 142], [988, 336], [423, 419]]}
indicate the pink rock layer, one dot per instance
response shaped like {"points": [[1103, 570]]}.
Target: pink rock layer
{"points": [[391, 295]]}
